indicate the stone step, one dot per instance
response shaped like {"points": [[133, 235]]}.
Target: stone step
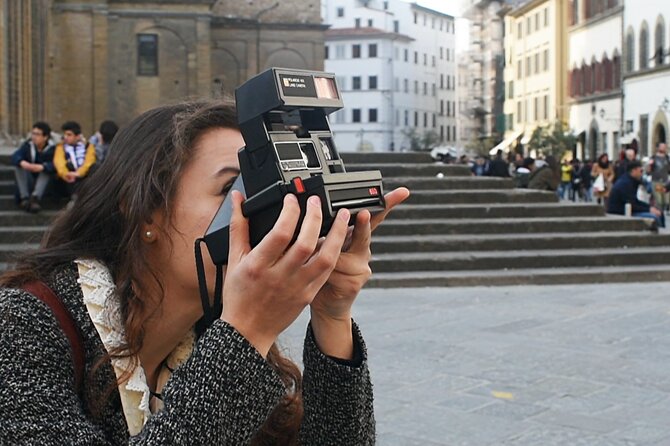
{"points": [[514, 242], [413, 170], [511, 210], [6, 187], [448, 183], [481, 197], [519, 260], [518, 226], [385, 157], [531, 276], [23, 234], [9, 252], [6, 173], [22, 218]]}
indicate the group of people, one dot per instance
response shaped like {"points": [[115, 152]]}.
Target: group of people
{"points": [[40, 162]]}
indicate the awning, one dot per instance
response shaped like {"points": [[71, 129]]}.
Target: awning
{"points": [[504, 145], [526, 139]]}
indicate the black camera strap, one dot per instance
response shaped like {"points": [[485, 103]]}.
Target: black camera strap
{"points": [[211, 312]]}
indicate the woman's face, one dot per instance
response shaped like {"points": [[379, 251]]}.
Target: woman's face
{"points": [[201, 189]]}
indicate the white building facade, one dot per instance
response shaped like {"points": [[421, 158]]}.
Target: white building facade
{"points": [[646, 68], [396, 68], [595, 88]]}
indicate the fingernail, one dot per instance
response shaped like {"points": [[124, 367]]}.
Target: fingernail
{"points": [[344, 215], [291, 197], [314, 200]]}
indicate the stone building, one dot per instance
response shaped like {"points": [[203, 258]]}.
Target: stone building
{"points": [[595, 87], [646, 73], [535, 67], [91, 60]]}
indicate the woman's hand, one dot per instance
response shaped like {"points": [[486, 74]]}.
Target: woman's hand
{"points": [[266, 288], [331, 308]]}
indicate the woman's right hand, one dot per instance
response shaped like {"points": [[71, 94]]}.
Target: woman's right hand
{"points": [[266, 288]]}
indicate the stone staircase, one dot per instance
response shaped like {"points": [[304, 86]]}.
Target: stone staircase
{"points": [[457, 230], [460, 230]]}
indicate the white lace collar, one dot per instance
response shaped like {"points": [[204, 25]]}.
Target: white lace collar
{"points": [[105, 311]]}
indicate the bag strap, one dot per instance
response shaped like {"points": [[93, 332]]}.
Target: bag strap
{"points": [[40, 290]]}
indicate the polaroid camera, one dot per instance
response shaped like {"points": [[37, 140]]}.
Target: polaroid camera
{"points": [[283, 117]]}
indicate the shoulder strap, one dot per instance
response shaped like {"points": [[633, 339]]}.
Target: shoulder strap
{"points": [[40, 290]]}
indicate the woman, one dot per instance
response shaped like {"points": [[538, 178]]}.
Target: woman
{"points": [[122, 262], [602, 186]]}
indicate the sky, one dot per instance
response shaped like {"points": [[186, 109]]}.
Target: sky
{"points": [[451, 7]]}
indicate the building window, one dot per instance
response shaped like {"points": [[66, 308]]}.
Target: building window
{"points": [[356, 83], [406, 118], [528, 26], [441, 81], [356, 51], [372, 82], [396, 26], [416, 18], [425, 88], [434, 61], [604, 138], [546, 17], [406, 85], [659, 53], [357, 23], [518, 112], [326, 51], [519, 31], [147, 54], [356, 115], [537, 21], [528, 66], [644, 47], [425, 120], [536, 109], [434, 90], [340, 12], [442, 133], [537, 63], [372, 115], [386, 6], [630, 51], [448, 133], [519, 69], [370, 23], [372, 50], [546, 107], [441, 53], [416, 57], [425, 59], [406, 55], [416, 87], [574, 12], [616, 69], [339, 51], [511, 90], [397, 85], [546, 60], [416, 119], [442, 107]]}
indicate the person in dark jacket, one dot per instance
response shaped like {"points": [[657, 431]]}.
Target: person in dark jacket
{"points": [[33, 167], [157, 370], [499, 167], [624, 192], [546, 177]]}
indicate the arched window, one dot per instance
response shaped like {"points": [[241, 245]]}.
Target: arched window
{"points": [[616, 69], [644, 46], [630, 51], [582, 79], [606, 68], [597, 75], [659, 47], [574, 12], [613, 3]]}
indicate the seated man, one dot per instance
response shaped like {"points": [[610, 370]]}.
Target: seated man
{"points": [[625, 191], [73, 157], [33, 167]]}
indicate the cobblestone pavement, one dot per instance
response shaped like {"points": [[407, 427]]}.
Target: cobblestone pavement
{"points": [[532, 365]]}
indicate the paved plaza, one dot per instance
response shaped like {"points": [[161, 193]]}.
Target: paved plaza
{"points": [[532, 365]]}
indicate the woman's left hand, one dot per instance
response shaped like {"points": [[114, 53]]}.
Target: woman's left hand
{"points": [[331, 308]]}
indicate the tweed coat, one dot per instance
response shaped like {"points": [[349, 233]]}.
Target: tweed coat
{"points": [[220, 396]]}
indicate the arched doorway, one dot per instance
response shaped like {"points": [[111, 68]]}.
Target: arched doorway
{"points": [[593, 140], [660, 129]]}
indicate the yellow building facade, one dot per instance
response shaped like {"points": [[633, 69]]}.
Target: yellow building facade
{"points": [[535, 75]]}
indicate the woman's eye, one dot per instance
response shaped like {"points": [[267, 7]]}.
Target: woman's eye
{"points": [[229, 184]]}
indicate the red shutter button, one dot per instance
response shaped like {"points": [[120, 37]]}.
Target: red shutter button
{"points": [[299, 186]]}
